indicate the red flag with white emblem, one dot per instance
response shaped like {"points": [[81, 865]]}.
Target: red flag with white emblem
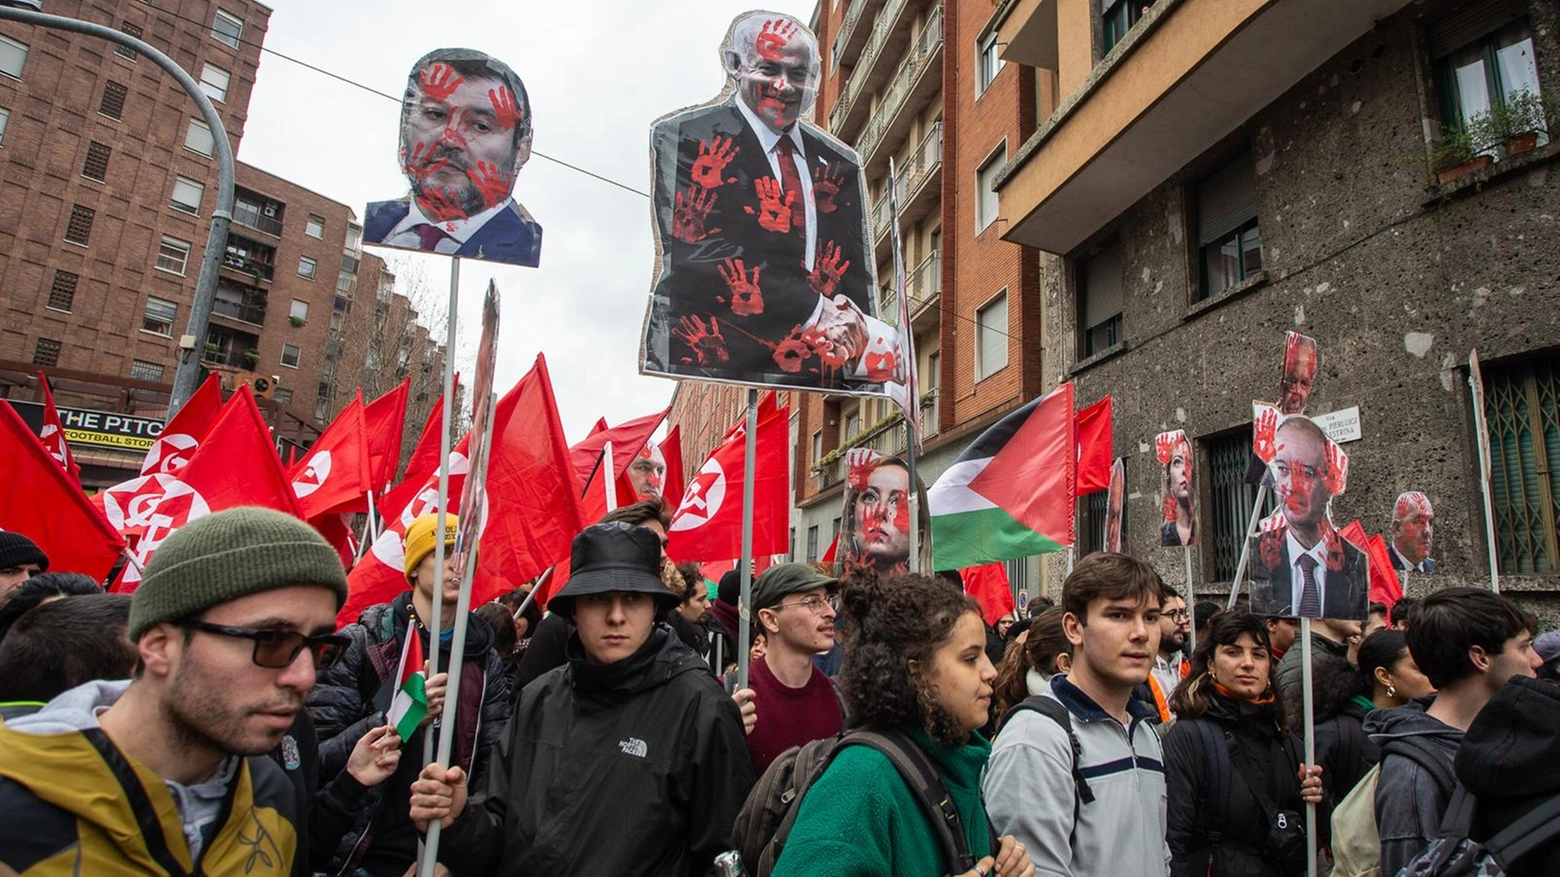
{"points": [[335, 475], [42, 503], [708, 522], [425, 459], [384, 420], [180, 436], [53, 433]]}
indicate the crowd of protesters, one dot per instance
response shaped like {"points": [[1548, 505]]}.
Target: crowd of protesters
{"points": [[218, 722]]}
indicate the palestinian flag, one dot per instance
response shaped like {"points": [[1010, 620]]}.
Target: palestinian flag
{"points": [[1011, 493], [411, 698]]}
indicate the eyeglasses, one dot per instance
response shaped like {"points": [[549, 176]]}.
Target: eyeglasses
{"points": [[277, 649], [1178, 615], [812, 604]]}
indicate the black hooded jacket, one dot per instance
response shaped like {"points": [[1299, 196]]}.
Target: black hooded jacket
{"points": [[1507, 760], [1212, 811], [632, 768]]}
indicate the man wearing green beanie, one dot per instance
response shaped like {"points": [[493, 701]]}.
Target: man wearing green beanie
{"points": [[160, 773]]}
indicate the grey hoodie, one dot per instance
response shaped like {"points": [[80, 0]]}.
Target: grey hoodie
{"points": [[78, 709], [1409, 803]]}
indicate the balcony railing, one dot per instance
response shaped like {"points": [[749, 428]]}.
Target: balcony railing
{"points": [[926, 159], [254, 267], [249, 313], [853, 16], [256, 220], [869, 56], [914, 65], [925, 281]]}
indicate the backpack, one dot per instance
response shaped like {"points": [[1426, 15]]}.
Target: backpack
{"points": [[1053, 709], [1454, 854], [769, 813], [1356, 839]]}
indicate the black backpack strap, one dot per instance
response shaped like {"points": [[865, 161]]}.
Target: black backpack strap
{"points": [[920, 774], [1056, 712], [1427, 757], [1243, 766], [1534, 829], [140, 802]]}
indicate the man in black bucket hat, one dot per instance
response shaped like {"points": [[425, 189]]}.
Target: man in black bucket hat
{"points": [[633, 724]]}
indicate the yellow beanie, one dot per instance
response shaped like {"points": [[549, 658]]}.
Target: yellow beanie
{"points": [[419, 538]]}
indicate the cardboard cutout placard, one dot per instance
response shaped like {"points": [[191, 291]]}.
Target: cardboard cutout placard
{"points": [[1300, 565], [1413, 533], [1180, 491], [875, 525], [647, 473], [765, 272], [465, 134], [1301, 360], [1116, 507]]}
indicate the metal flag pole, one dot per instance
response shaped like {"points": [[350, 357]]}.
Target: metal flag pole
{"points": [[1309, 712], [1482, 436], [1245, 547], [745, 613], [446, 424], [914, 496], [1191, 602]]}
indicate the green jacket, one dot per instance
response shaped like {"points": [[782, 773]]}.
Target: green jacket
{"points": [[860, 819]]}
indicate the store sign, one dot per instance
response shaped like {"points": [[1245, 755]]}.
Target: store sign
{"points": [[103, 429]]}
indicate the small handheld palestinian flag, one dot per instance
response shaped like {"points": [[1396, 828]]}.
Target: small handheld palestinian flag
{"points": [[411, 697]]}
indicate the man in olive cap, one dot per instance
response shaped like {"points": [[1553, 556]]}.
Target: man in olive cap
{"points": [[796, 702], [633, 724], [157, 774]]}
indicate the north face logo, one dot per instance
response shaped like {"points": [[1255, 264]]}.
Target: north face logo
{"points": [[634, 746]]}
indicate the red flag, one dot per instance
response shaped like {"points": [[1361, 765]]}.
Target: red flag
{"points": [[384, 419], [180, 436], [708, 523], [335, 475], [53, 432], [42, 503], [1094, 447], [832, 551], [672, 483], [425, 459], [599, 495], [601, 424], [337, 530], [989, 585], [1384, 584], [626, 438]]}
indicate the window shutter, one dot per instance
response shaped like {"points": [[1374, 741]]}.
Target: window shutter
{"points": [[1479, 19], [1226, 200], [1102, 287]]}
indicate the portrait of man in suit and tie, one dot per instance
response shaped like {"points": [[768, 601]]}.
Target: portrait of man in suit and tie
{"points": [[766, 274], [1300, 565], [1413, 532], [465, 134]]}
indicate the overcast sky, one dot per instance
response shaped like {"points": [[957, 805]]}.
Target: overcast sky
{"points": [[599, 72]]}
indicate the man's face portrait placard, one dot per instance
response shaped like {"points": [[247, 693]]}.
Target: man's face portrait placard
{"points": [[1116, 507], [1300, 565], [1301, 360], [1180, 492], [875, 529], [765, 274], [647, 472], [1413, 532], [465, 133]]}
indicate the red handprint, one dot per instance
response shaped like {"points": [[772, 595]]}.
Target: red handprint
{"points": [[1333, 544], [774, 207], [829, 353], [707, 343], [776, 33], [1168, 509], [1164, 446], [1270, 544], [859, 465], [420, 163], [882, 366], [791, 353], [438, 81], [1263, 433], [692, 211], [1336, 477], [505, 110], [441, 205], [491, 181], [827, 270], [712, 161], [827, 182], [746, 300]]}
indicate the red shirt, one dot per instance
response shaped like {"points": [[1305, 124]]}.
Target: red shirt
{"points": [[789, 716]]}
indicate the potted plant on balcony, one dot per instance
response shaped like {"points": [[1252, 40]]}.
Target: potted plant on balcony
{"points": [[251, 357], [297, 322], [1464, 149], [1520, 119], [211, 350]]}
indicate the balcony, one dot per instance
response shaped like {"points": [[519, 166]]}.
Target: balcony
{"points": [[925, 285], [915, 188], [250, 260], [1187, 75], [890, 35], [243, 303], [256, 220], [919, 80], [852, 36]]}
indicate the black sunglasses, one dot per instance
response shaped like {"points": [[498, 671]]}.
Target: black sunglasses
{"points": [[276, 649]]}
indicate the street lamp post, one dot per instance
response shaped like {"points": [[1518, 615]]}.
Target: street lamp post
{"points": [[186, 376]]}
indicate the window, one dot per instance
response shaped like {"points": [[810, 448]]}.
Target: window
{"points": [[198, 138], [307, 267], [349, 263], [337, 320], [46, 353], [158, 317], [991, 337], [834, 530], [227, 28], [62, 292], [341, 305], [290, 355], [817, 446], [79, 229], [1100, 300], [96, 165], [929, 382], [1118, 18], [299, 310], [145, 371], [187, 194], [1485, 72], [345, 283], [1229, 240], [812, 544], [173, 256], [113, 103], [354, 237], [129, 30], [1521, 404], [13, 56], [214, 82], [990, 63], [315, 228], [852, 425], [985, 195], [5, 120], [1229, 458], [282, 397], [1091, 522]]}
